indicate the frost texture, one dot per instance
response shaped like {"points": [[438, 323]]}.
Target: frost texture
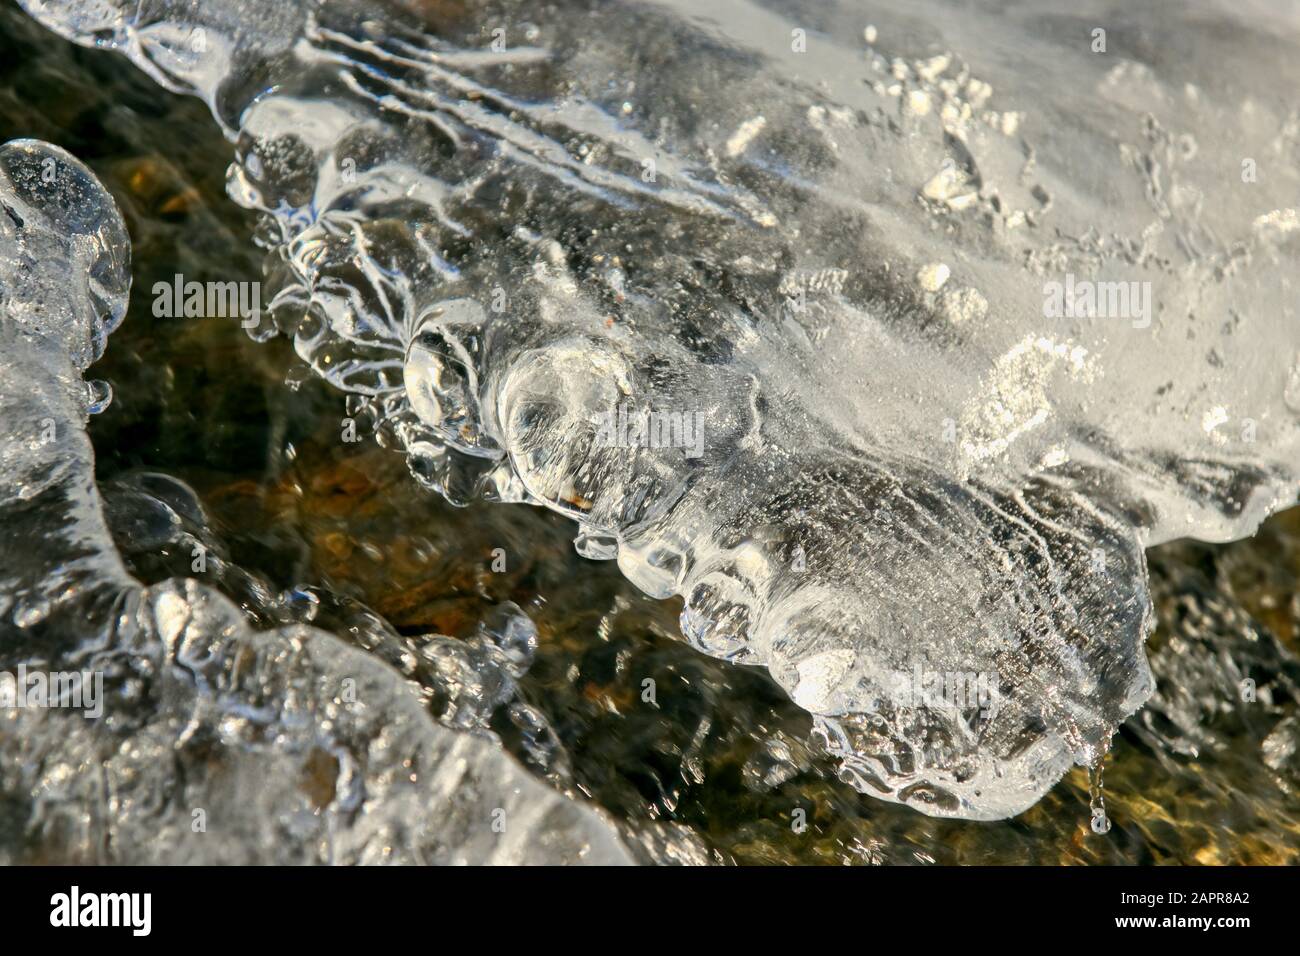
{"points": [[217, 743], [834, 245]]}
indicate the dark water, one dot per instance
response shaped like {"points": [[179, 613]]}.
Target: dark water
{"points": [[1200, 776]]}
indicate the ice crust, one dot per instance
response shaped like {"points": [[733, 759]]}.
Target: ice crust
{"points": [[294, 746], [837, 254]]}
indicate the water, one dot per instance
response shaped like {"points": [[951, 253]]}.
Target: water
{"points": [[823, 670]]}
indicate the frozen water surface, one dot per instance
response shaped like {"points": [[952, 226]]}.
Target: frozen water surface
{"points": [[967, 305]]}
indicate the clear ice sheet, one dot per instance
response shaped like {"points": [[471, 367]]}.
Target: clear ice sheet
{"points": [[837, 258], [292, 744]]}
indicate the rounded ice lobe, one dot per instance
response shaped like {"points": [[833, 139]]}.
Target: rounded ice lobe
{"points": [[66, 267], [440, 375]]}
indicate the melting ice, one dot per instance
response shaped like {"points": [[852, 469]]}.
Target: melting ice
{"points": [[834, 233]]}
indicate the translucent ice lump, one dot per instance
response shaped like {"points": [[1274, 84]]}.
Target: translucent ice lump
{"points": [[213, 742], [969, 304]]}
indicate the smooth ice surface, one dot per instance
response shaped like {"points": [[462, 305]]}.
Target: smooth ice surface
{"points": [[965, 309], [214, 742]]}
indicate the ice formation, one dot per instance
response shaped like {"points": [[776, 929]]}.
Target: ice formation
{"points": [[212, 742], [973, 303]]}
